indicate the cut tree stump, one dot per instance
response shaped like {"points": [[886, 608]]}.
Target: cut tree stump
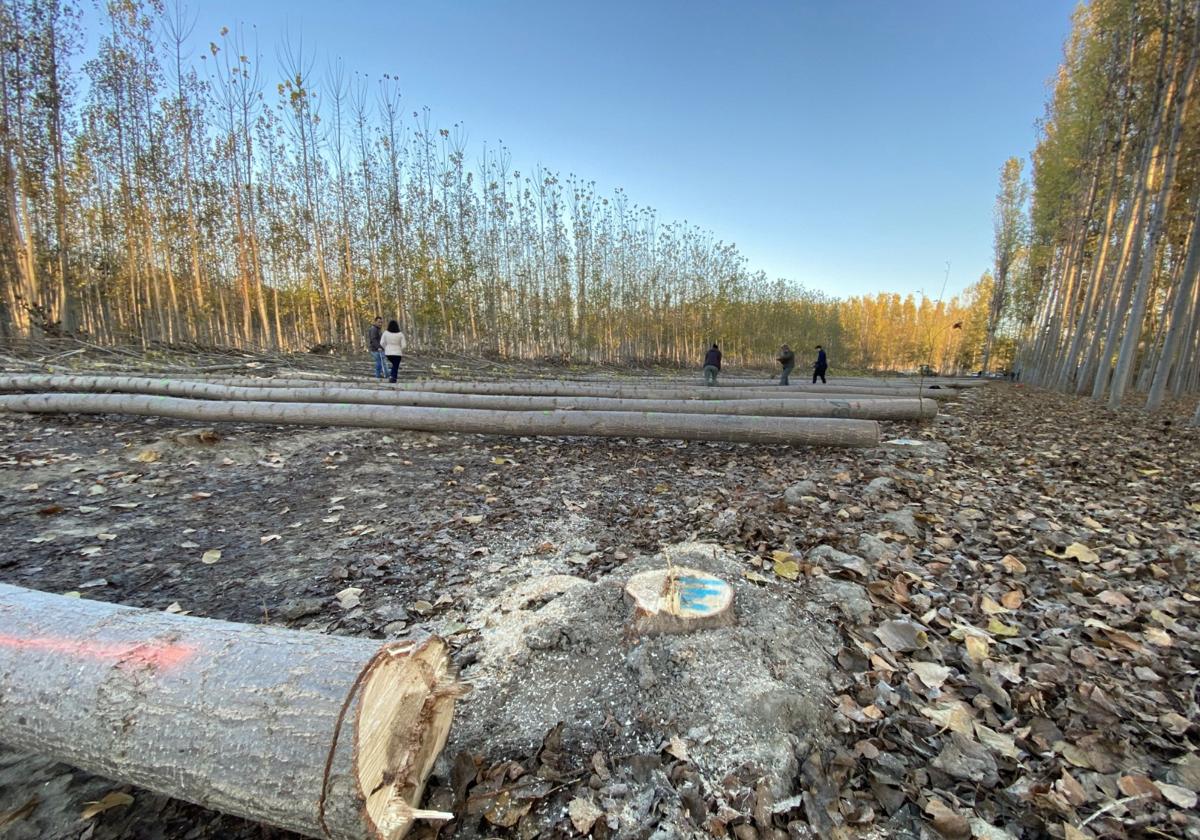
{"points": [[328, 736], [797, 405], [796, 431], [678, 599]]}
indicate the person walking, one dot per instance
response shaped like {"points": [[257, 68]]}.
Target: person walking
{"points": [[392, 342], [788, 359], [820, 366], [374, 334], [712, 365]]}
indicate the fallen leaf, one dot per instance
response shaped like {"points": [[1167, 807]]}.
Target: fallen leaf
{"points": [[1138, 785], [1013, 599], [678, 748], [990, 607], [475, 519], [1178, 796], [148, 456], [997, 742], [946, 821], [505, 812], [1113, 598], [930, 673], [977, 648], [1081, 552], [110, 800], [1012, 565], [1174, 723], [1157, 637], [998, 628], [583, 813], [902, 635], [348, 598], [211, 556], [955, 716], [786, 567]]}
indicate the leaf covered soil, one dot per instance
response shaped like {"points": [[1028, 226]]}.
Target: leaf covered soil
{"points": [[989, 631]]}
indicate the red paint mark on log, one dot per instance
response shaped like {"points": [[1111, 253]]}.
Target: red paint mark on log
{"points": [[161, 656]]}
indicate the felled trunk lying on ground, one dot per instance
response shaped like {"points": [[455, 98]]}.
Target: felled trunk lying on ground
{"points": [[867, 409], [329, 736], [617, 389], [850, 382], [633, 391], [801, 431]]}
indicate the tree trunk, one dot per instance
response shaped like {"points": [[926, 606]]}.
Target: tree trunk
{"points": [[620, 389], [1174, 337], [329, 736], [798, 431], [1157, 228], [865, 409]]}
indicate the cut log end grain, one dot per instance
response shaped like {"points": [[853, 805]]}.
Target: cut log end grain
{"points": [[678, 600], [328, 736], [403, 722]]}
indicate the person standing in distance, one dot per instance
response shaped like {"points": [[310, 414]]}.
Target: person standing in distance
{"points": [[374, 334], [788, 359], [820, 366], [392, 342], [712, 365]]}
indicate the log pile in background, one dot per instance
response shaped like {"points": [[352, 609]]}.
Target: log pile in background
{"points": [[329, 736]]}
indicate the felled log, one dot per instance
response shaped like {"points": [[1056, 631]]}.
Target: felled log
{"points": [[797, 406], [636, 388], [797, 431], [554, 388], [328, 736]]}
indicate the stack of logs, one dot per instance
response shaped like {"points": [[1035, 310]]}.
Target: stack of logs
{"points": [[842, 413]]}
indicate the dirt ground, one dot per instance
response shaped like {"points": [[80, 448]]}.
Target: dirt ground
{"points": [[990, 633]]}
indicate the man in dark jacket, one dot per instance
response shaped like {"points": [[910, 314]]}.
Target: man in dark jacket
{"points": [[788, 359], [820, 366], [374, 334], [712, 365]]}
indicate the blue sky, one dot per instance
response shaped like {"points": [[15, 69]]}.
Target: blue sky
{"points": [[851, 145]]}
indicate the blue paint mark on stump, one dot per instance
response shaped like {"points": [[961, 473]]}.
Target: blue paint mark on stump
{"points": [[700, 595]]}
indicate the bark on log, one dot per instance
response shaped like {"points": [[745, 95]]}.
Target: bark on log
{"points": [[622, 388], [796, 431], [328, 736], [632, 391], [798, 406]]}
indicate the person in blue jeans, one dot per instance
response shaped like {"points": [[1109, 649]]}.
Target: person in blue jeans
{"points": [[374, 334], [712, 365]]}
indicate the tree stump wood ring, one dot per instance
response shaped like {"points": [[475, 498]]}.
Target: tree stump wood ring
{"points": [[679, 600]]}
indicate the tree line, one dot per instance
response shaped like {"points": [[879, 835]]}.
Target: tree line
{"points": [[156, 190], [1097, 259]]}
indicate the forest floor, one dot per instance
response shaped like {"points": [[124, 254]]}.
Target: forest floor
{"points": [[1002, 641]]}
